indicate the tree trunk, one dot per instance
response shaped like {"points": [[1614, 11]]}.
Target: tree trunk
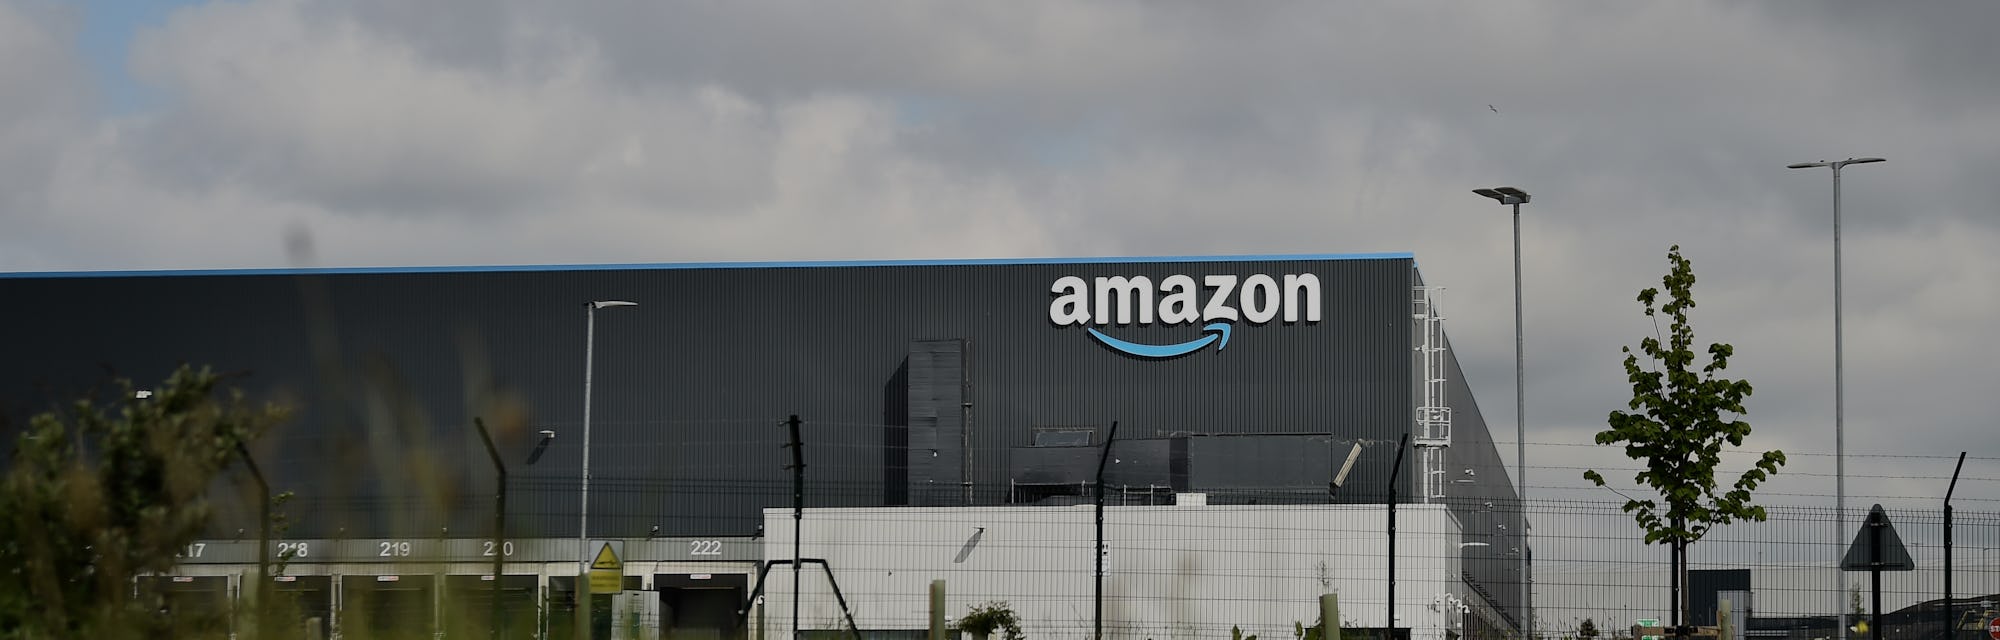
{"points": [[1673, 588], [1686, 621]]}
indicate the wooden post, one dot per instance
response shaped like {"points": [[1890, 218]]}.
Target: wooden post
{"points": [[937, 610], [1329, 616]]}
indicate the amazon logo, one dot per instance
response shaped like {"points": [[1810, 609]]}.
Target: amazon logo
{"points": [[1214, 302]]}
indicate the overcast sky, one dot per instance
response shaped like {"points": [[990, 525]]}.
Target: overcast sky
{"points": [[199, 135]]}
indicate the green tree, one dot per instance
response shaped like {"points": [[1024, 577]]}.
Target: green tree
{"points": [[105, 491], [1679, 419]]}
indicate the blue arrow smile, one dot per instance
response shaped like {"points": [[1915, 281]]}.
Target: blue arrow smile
{"points": [[1217, 332]]}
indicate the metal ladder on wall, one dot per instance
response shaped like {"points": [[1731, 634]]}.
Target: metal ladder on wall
{"points": [[1433, 427]]}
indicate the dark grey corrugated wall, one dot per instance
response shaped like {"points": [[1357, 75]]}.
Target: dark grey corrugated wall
{"points": [[388, 369]]}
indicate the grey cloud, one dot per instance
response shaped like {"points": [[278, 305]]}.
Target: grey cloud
{"points": [[342, 117], [43, 100], [1942, 51], [1016, 84]]}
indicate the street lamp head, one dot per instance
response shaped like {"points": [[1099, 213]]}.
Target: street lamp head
{"points": [[1505, 195], [612, 303], [1836, 164], [548, 436]]}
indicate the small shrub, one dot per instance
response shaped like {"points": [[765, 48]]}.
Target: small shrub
{"points": [[984, 619], [1302, 632]]}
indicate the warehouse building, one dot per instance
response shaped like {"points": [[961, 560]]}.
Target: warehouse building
{"points": [[952, 418]]}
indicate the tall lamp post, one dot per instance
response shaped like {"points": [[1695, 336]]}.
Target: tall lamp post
{"points": [[1516, 198], [1839, 408], [583, 524]]}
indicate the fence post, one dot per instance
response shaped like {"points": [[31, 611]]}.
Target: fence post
{"points": [[937, 610], [1329, 616]]}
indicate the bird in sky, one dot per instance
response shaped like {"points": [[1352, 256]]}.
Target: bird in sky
{"points": [[1491, 107]]}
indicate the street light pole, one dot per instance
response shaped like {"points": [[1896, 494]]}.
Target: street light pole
{"points": [[1839, 379], [1517, 197], [583, 523]]}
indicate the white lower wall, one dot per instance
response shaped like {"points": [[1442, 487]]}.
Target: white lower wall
{"points": [[1171, 572]]}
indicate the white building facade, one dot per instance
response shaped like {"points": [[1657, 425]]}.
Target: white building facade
{"points": [[1169, 571]]}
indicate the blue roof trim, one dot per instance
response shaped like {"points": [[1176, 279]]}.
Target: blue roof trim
{"points": [[1391, 255]]}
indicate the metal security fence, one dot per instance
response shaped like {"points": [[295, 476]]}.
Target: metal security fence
{"points": [[1194, 546]]}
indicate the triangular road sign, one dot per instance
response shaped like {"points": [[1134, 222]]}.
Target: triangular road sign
{"points": [[1894, 557], [608, 560]]}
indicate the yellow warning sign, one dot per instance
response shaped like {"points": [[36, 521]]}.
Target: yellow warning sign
{"points": [[602, 581], [607, 571], [607, 559]]}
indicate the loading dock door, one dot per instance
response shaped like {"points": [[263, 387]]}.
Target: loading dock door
{"points": [[304, 598], [387, 607], [195, 606], [560, 622], [701, 606], [468, 606]]}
